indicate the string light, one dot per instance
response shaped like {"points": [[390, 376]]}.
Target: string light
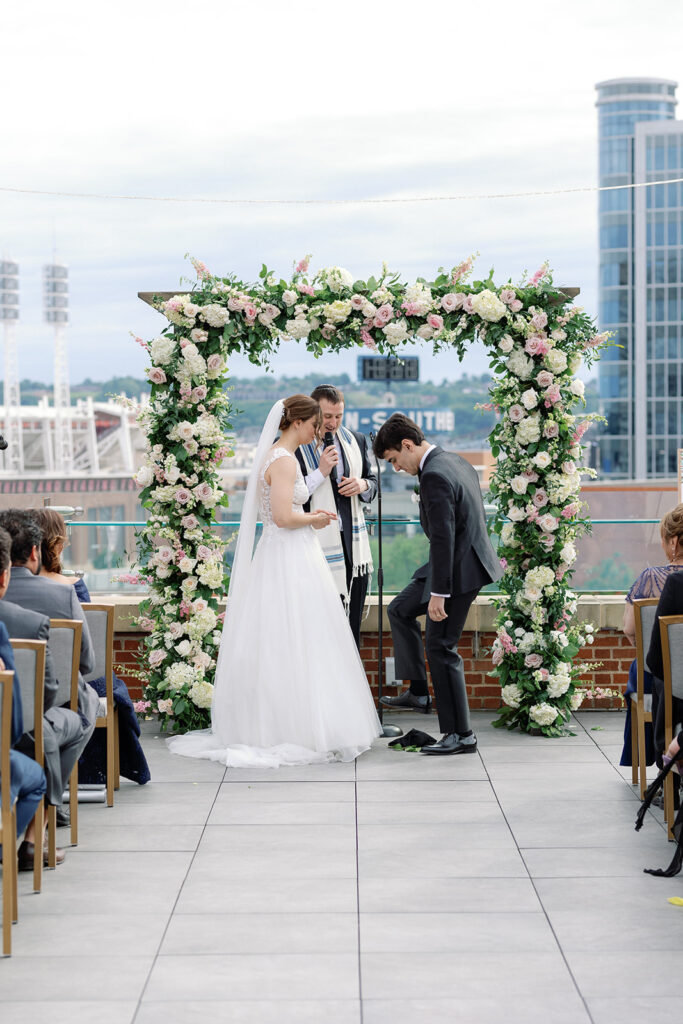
{"points": [[338, 202]]}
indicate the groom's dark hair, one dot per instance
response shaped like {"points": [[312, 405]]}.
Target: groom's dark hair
{"points": [[397, 428], [329, 393]]}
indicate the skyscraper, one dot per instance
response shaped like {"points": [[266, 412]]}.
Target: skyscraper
{"points": [[641, 276]]}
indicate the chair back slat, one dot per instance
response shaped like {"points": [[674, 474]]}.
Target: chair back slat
{"points": [[6, 681], [65, 648], [100, 619], [644, 613], [29, 661]]}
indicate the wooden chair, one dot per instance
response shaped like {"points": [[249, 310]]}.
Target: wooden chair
{"points": [[671, 630], [644, 611], [8, 817], [100, 619], [65, 648], [29, 661]]}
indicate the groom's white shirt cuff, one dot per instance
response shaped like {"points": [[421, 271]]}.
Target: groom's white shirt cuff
{"points": [[314, 480], [422, 462]]}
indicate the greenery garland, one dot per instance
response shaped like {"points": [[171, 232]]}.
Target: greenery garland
{"points": [[536, 341]]}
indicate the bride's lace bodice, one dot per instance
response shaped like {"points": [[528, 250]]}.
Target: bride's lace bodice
{"points": [[300, 489]]}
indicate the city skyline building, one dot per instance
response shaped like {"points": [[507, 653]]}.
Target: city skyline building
{"points": [[640, 283]]}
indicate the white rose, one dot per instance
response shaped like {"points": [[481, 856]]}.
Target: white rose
{"points": [[568, 553], [542, 460], [488, 306], [556, 361], [530, 399], [533, 594], [289, 297], [425, 332], [144, 476], [519, 484], [516, 514], [506, 343], [577, 387]]}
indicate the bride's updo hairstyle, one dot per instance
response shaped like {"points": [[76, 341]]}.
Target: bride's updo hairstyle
{"points": [[300, 407], [672, 525]]}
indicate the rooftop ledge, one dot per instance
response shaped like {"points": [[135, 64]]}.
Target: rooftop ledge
{"points": [[605, 611]]}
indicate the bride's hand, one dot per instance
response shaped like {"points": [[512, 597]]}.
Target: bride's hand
{"points": [[321, 519]]}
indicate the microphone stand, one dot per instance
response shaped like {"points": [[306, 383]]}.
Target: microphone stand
{"points": [[387, 730]]}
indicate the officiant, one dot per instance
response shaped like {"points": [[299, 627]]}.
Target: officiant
{"points": [[340, 475]]}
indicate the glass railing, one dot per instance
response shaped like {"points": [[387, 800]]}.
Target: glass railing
{"points": [[609, 558]]}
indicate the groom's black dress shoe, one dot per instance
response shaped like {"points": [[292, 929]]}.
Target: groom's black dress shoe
{"points": [[452, 743], [407, 701]]}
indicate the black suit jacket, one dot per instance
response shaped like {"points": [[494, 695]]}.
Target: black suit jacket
{"points": [[344, 504], [670, 603], [461, 557]]}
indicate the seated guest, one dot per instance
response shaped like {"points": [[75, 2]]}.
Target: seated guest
{"points": [[650, 584], [61, 727], [29, 589], [670, 603], [93, 762]]}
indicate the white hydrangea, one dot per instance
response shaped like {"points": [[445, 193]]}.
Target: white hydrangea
{"points": [[201, 694], [201, 623], [528, 431], [215, 315], [520, 364], [207, 429], [488, 306], [396, 332], [421, 298], [210, 574], [512, 695], [337, 312], [298, 328], [543, 714], [336, 278], [179, 675], [507, 536], [541, 576], [558, 684], [161, 350], [576, 699]]}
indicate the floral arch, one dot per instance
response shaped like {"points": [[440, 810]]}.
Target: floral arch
{"points": [[536, 341]]}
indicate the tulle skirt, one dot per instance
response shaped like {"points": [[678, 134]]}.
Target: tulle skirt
{"points": [[290, 686]]}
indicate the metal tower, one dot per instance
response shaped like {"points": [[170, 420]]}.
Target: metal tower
{"points": [[9, 314], [56, 304]]}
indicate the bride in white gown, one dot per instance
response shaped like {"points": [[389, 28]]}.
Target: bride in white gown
{"points": [[290, 687]]}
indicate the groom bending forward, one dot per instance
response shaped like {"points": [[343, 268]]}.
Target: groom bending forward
{"points": [[461, 562]]}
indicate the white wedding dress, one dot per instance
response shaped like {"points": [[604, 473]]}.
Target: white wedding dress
{"points": [[290, 686]]}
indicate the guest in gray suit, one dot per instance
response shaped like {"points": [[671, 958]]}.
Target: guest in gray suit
{"points": [[461, 562], [30, 590], [62, 732]]}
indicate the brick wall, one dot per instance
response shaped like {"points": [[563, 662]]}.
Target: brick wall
{"points": [[610, 647]]}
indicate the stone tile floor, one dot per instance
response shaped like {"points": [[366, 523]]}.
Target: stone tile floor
{"points": [[507, 885]]}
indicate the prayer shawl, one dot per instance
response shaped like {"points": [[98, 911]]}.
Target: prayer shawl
{"points": [[323, 498]]}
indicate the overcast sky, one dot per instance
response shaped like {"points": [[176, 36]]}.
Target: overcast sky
{"points": [[301, 100]]}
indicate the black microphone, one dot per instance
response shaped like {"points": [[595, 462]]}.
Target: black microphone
{"points": [[329, 440], [3, 444]]}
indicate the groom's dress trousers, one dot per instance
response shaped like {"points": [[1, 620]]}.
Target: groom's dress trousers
{"points": [[461, 562], [357, 587]]}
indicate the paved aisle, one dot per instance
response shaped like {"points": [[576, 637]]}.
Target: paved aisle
{"points": [[507, 885]]}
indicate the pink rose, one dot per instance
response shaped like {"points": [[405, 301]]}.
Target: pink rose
{"points": [[449, 302], [203, 491], [539, 321], [156, 375], [515, 306], [357, 301], [203, 552], [327, 331], [459, 299], [544, 379], [552, 394], [411, 308], [535, 346], [250, 311], [569, 467], [540, 498], [548, 523], [547, 540], [516, 413], [544, 674], [146, 624], [156, 658], [467, 304], [164, 555], [551, 429], [508, 296], [435, 321], [176, 630], [182, 496], [530, 475], [383, 315], [215, 362], [235, 303], [533, 661], [199, 393]]}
